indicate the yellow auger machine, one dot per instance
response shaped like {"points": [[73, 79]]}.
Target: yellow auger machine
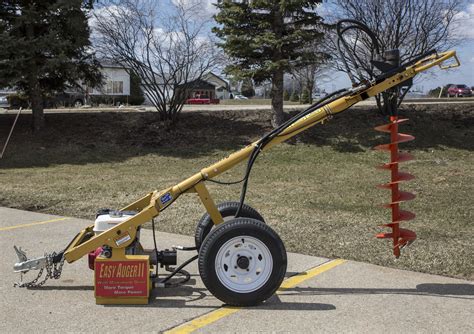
{"points": [[242, 261]]}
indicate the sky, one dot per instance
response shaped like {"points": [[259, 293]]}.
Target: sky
{"points": [[435, 78]]}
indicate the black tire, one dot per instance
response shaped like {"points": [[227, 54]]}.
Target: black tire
{"points": [[223, 236], [78, 103], [227, 209]]}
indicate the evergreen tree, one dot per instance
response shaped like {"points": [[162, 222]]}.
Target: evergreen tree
{"points": [[136, 92], [305, 98], [294, 97], [266, 38], [45, 49], [286, 95], [247, 88]]}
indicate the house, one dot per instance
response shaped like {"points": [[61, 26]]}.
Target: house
{"points": [[222, 87], [117, 81], [209, 86], [116, 89], [197, 88]]}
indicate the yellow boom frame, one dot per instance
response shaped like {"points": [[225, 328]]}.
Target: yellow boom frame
{"points": [[150, 206]]}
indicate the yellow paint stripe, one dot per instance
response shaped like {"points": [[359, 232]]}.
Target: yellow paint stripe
{"points": [[225, 311], [291, 282], [32, 224], [204, 320]]}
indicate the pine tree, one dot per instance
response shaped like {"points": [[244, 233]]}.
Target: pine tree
{"points": [[45, 49], [136, 92], [294, 97], [304, 98], [266, 38], [247, 89]]}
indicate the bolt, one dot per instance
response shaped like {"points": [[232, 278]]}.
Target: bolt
{"points": [[235, 267], [248, 269], [250, 258]]}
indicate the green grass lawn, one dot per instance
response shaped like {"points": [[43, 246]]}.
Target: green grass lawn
{"points": [[318, 192]]}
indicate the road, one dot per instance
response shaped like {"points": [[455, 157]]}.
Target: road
{"points": [[319, 295], [243, 107]]}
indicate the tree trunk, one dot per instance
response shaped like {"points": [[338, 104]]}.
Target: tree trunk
{"points": [[277, 77], [309, 88], [37, 109], [34, 89], [277, 98], [36, 99]]}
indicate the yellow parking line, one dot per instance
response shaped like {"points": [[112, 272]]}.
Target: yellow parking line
{"points": [[224, 311], [293, 281], [32, 224]]}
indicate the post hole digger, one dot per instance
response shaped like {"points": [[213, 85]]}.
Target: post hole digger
{"points": [[241, 261]]}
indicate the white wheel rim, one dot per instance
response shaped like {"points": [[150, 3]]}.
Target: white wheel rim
{"points": [[240, 278]]}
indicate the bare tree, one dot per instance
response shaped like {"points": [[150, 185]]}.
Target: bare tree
{"points": [[167, 49], [412, 26], [310, 77]]}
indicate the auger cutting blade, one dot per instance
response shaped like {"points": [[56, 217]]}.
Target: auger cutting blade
{"points": [[403, 234], [402, 176], [401, 138], [403, 215], [400, 237], [402, 157], [403, 196], [387, 127]]}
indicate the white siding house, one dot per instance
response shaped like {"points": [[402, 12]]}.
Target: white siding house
{"points": [[116, 84], [117, 81], [222, 86]]}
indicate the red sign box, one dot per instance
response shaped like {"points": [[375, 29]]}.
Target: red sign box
{"points": [[121, 278]]}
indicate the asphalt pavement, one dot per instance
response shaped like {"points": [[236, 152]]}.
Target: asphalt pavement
{"points": [[319, 295]]}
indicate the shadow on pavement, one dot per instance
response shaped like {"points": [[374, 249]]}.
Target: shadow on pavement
{"points": [[462, 291], [190, 295]]}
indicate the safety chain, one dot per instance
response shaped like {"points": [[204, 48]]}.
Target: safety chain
{"points": [[53, 270]]}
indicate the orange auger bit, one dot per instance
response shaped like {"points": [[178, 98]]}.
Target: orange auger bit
{"points": [[401, 237]]}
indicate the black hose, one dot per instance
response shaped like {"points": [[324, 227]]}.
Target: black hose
{"points": [[268, 137], [154, 244], [340, 32], [179, 269], [187, 277], [328, 99], [361, 26], [181, 248]]}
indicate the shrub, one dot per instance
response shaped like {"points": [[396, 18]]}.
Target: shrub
{"points": [[247, 88], [136, 93], [294, 97], [305, 96], [18, 100]]}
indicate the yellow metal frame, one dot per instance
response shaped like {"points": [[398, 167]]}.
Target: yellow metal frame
{"points": [[152, 204]]}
